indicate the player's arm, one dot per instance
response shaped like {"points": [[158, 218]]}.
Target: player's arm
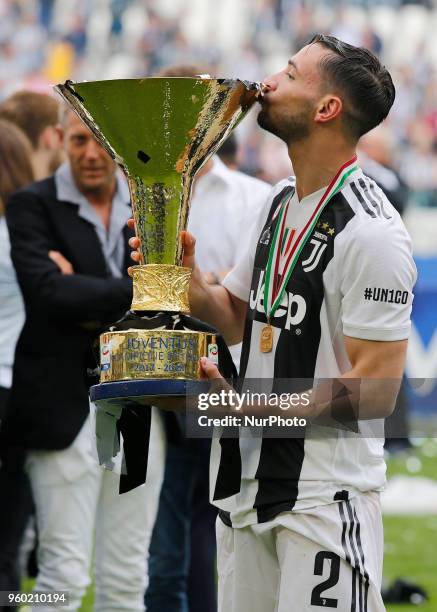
{"points": [[370, 386], [367, 391], [375, 281], [217, 306], [216, 277], [211, 303]]}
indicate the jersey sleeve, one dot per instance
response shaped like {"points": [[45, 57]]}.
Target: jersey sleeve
{"points": [[377, 282]]}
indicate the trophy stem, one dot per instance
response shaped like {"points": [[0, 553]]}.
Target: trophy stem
{"points": [[160, 287]]}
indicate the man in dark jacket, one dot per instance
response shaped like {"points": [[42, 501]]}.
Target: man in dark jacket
{"points": [[69, 247]]}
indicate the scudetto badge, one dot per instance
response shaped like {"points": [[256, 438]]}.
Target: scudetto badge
{"points": [[105, 356], [213, 353]]}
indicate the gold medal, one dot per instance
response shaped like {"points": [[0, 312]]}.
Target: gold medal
{"points": [[266, 340]]}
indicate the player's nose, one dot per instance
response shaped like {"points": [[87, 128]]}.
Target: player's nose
{"points": [[270, 84]]}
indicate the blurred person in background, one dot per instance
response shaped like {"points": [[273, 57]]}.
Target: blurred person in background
{"points": [[37, 115], [228, 152], [419, 164], [69, 248], [15, 498], [224, 206], [418, 167], [377, 159]]}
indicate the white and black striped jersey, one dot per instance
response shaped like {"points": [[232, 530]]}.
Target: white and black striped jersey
{"points": [[354, 277]]}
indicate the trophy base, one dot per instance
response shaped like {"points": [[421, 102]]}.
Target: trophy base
{"points": [[143, 391], [153, 354]]}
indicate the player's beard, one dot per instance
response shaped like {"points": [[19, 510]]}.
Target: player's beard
{"points": [[288, 127]]}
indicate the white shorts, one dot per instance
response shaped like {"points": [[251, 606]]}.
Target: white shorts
{"points": [[327, 557]]}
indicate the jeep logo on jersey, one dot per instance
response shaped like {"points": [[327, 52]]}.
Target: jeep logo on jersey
{"points": [[312, 261], [293, 306]]}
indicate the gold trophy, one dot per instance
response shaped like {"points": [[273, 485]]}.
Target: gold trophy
{"points": [[160, 131]]}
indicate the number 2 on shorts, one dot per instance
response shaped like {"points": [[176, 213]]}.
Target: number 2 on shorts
{"points": [[317, 598]]}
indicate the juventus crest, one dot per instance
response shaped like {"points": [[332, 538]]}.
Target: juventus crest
{"points": [[317, 251]]}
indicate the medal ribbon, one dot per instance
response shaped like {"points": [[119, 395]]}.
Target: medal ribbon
{"points": [[273, 289]]}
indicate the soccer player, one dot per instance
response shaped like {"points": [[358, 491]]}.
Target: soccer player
{"points": [[325, 291]]}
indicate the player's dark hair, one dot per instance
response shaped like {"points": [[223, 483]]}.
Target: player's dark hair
{"points": [[365, 84]]}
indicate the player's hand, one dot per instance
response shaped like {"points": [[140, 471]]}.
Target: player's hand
{"points": [[134, 244], [181, 404], [197, 291], [197, 283], [62, 262], [188, 244], [209, 369], [211, 372], [189, 249]]}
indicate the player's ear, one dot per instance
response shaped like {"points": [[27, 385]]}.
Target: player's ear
{"points": [[329, 108]]}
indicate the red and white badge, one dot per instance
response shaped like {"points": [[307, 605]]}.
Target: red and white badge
{"points": [[213, 353]]}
